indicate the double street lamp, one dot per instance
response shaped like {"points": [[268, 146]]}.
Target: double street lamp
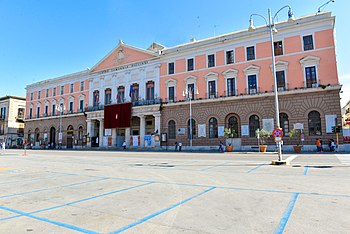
{"points": [[270, 23], [189, 92], [60, 108]]}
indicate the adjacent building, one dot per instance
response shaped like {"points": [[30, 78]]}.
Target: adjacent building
{"points": [[12, 110], [230, 81]]}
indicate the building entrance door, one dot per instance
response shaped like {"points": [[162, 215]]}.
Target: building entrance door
{"points": [[52, 137], [70, 131]]}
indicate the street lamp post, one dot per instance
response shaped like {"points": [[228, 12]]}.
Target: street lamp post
{"points": [[189, 93], [60, 109], [271, 25]]}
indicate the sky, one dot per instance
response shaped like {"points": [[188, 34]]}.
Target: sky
{"points": [[43, 39]]}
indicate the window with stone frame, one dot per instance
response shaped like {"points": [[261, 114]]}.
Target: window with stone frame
{"points": [[150, 90], [96, 97], [213, 128], [108, 96], [211, 60], [281, 80], [278, 48], [121, 94], [230, 58], [232, 124], [310, 76], [171, 68], [314, 121], [254, 124], [172, 129], [250, 53], [190, 64], [308, 42]]}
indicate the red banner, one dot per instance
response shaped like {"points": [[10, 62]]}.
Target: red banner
{"points": [[117, 115]]}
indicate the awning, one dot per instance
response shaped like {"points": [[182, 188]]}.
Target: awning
{"points": [[117, 115]]}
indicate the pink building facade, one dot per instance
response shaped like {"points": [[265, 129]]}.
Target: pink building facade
{"points": [[231, 80]]}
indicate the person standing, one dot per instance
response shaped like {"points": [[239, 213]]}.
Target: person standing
{"points": [[124, 144], [180, 145], [318, 145]]}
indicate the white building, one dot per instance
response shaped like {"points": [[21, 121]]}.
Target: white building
{"points": [[125, 84], [12, 110]]}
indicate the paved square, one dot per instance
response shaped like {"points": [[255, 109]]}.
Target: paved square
{"points": [[172, 192]]}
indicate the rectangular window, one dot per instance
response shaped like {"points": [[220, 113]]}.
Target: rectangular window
{"points": [[31, 96], [71, 88], [281, 81], [46, 110], [190, 64], [71, 107], [231, 87], [54, 91], [171, 93], [308, 43], [171, 68], [3, 112], [81, 85], [278, 48], [212, 89], [53, 109], [190, 91], [39, 94], [47, 92], [38, 112], [81, 105], [230, 57], [20, 114], [30, 113], [310, 76], [211, 60], [252, 84], [250, 53], [121, 94], [150, 90], [62, 88]]}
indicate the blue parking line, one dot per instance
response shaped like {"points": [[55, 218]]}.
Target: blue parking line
{"points": [[284, 220], [46, 189], [75, 228], [207, 168], [306, 170], [257, 167], [160, 212], [81, 200]]}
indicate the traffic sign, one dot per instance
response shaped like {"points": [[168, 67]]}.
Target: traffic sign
{"points": [[277, 132]]}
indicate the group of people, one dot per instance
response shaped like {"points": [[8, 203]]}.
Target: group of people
{"points": [[178, 146], [2, 146], [319, 145]]}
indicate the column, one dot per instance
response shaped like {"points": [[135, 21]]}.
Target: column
{"points": [[142, 130], [89, 131], [91, 90], [114, 137], [101, 132], [127, 137], [157, 122]]}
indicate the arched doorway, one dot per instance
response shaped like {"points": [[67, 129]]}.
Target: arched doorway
{"points": [[52, 137], [70, 133]]}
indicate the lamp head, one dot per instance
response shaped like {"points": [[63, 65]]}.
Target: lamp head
{"points": [[251, 25], [290, 16], [274, 30]]}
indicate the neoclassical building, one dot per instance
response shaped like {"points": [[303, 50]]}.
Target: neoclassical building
{"points": [[231, 83], [124, 98]]}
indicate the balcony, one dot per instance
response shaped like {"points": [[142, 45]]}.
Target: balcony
{"points": [[250, 91], [212, 95], [281, 87], [230, 93]]}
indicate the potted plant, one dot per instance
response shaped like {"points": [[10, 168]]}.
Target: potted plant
{"points": [[262, 135], [230, 134], [295, 135]]}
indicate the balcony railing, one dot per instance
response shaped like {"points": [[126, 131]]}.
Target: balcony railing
{"points": [[252, 90], [230, 93], [281, 88], [212, 95]]}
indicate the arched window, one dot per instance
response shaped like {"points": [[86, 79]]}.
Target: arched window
{"points": [[193, 129], [213, 128], [96, 97], [172, 129], [232, 124], [254, 124], [80, 133], [70, 128], [37, 135], [284, 123], [108, 96], [314, 119]]}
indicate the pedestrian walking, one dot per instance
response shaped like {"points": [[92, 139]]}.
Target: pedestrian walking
{"points": [[221, 147], [318, 145], [3, 146], [180, 145], [124, 144], [176, 145]]}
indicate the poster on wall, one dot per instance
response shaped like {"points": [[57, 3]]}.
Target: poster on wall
{"points": [[135, 141], [331, 121], [245, 130], [221, 130], [108, 132], [201, 130], [268, 124]]}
